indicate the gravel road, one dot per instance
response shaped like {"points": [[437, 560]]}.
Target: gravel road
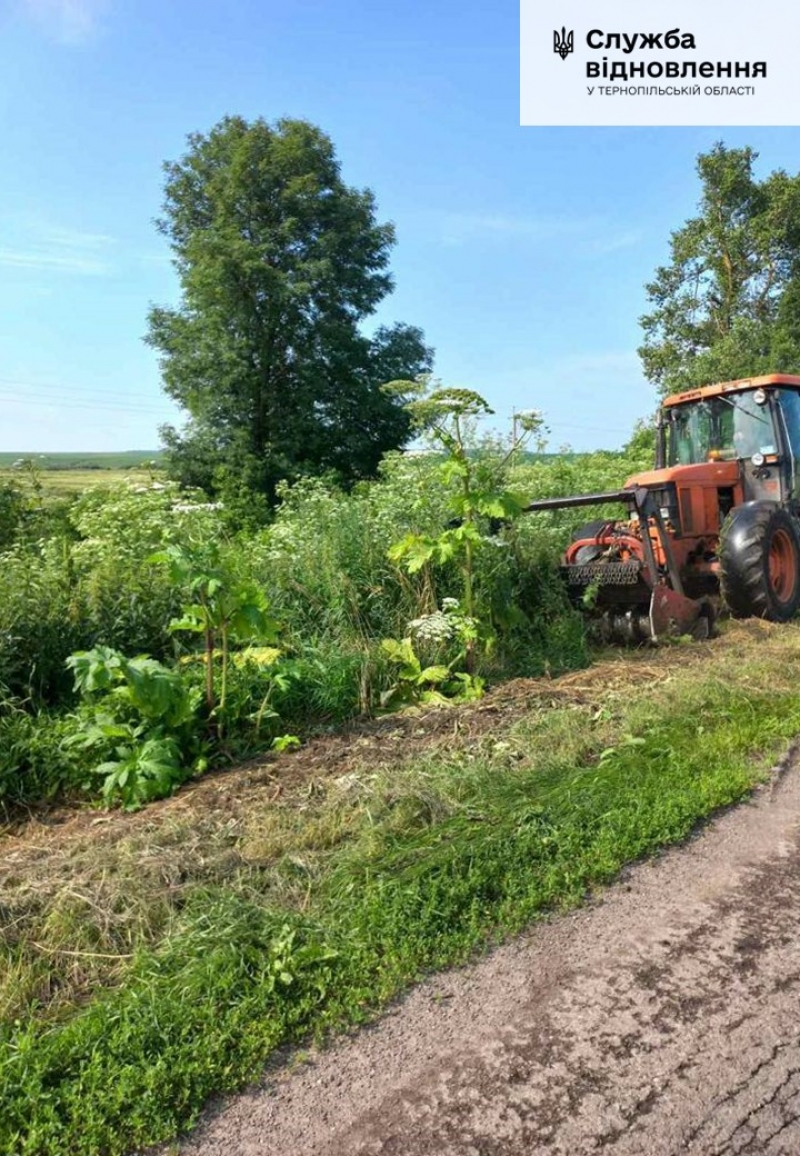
{"points": [[662, 1018]]}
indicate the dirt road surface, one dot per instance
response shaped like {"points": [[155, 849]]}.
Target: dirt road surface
{"points": [[662, 1018]]}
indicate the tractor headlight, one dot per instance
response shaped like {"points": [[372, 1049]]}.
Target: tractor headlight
{"points": [[757, 460]]}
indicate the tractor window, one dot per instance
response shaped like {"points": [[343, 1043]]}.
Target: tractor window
{"points": [[789, 401], [718, 429], [790, 408]]}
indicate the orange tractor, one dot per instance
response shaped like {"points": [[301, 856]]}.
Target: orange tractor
{"points": [[717, 515]]}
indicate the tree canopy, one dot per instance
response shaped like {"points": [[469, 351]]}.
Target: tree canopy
{"points": [[728, 303], [280, 262]]}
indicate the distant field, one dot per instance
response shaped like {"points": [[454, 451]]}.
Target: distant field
{"points": [[61, 475], [61, 483], [125, 460], [66, 474]]}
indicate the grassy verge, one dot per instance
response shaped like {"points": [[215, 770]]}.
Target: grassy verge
{"points": [[143, 973]]}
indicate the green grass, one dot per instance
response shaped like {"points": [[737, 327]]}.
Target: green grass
{"points": [[298, 916]]}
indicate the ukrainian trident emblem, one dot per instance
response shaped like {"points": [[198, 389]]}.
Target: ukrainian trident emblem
{"points": [[563, 43]]}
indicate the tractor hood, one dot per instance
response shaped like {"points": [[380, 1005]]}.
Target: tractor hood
{"points": [[702, 474]]}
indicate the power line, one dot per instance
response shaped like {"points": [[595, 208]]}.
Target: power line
{"points": [[100, 400], [87, 406], [17, 383], [589, 428], [39, 391]]}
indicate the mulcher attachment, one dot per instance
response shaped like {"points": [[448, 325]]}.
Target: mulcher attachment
{"points": [[634, 599]]}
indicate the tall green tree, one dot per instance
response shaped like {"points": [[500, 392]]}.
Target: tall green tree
{"points": [[728, 303], [280, 263]]}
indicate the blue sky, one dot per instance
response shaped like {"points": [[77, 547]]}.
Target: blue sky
{"points": [[522, 252]]}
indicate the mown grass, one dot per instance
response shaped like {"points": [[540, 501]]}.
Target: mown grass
{"points": [[176, 968]]}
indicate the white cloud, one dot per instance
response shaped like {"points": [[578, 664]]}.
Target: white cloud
{"points": [[57, 250], [65, 263], [77, 238], [67, 21]]}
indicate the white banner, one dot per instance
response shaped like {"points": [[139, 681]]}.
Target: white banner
{"points": [[627, 63]]}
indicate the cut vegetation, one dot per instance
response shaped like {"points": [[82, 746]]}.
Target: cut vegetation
{"points": [[150, 960]]}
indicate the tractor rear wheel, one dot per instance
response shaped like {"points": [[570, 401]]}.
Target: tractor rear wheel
{"points": [[759, 556]]}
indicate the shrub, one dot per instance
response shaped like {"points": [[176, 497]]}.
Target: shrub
{"points": [[36, 762], [142, 718]]}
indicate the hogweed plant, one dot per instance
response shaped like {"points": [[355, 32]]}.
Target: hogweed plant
{"points": [[222, 609], [143, 716], [438, 681], [447, 419]]}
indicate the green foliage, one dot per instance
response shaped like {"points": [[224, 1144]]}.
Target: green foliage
{"points": [[321, 568], [322, 684], [286, 743], [590, 595], [324, 559], [279, 262], [221, 609], [243, 508], [473, 485], [85, 579], [727, 304], [289, 957], [143, 715], [70, 461], [642, 444], [418, 684], [142, 685], [36, 762], [250, 977], [40, 618], [143, 769], [12, 508]]}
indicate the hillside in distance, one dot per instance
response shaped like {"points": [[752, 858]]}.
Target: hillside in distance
{"points": [[123, 460]]}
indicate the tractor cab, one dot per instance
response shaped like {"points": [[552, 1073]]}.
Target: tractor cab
{"points": [[755, 423]]}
